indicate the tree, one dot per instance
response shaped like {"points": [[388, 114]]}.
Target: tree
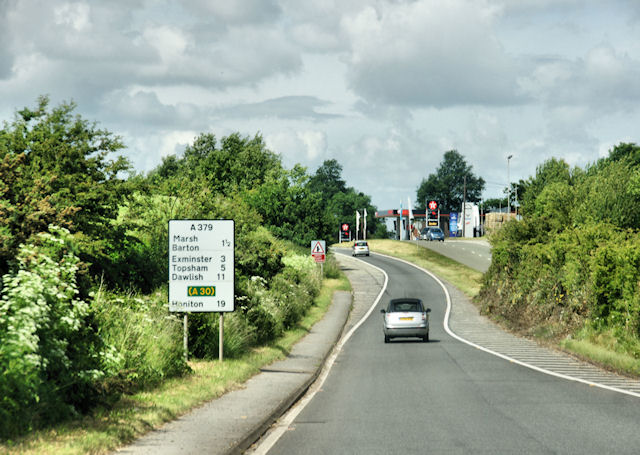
{"points": [[551, 171], [55, 168], [327, 180], [628, 151], [343, 207], [495, 203], [447, 185], [290, 209], [235, 164], [341, 201]]}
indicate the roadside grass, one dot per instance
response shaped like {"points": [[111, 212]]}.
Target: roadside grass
{"points": [[464, 278], [132, 416], [601, 355], [606, 350]]}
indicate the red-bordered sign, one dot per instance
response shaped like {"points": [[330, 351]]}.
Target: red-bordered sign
{"points": [[318, 250]]}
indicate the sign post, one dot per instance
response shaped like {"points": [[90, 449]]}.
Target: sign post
{"points": [[319, 253], [201, 269]]}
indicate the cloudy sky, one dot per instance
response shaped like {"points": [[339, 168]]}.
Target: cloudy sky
{"points": [[383, 86]]}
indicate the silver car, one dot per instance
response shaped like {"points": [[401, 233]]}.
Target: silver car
{"points": [[360, 247], [406, 318]]}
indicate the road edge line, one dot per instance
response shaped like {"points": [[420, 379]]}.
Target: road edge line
{"points": [[289, 416]]}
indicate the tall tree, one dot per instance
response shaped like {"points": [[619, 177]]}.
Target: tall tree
{"points": [[551, 171], [328, 179], [235, 164], [290, 209], [56, 168], [447, 185], [342, 202]]}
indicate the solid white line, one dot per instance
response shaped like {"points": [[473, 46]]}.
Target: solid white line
{"points": [[283, 425], [497, 354]]}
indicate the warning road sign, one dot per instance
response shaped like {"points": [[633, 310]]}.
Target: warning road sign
{"points": [[318, 249]]}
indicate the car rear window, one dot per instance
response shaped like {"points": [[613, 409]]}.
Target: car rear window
{"points": [[361, 243], [406, 307]]}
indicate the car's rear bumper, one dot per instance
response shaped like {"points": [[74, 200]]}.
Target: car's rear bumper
{"points": [[393, 332]]}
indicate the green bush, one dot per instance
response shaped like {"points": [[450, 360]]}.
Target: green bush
{"points": [[50, 355], [145, 341]]}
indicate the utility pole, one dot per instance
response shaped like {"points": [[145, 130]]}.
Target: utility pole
{"points": [[464, 207], [508, 188]]}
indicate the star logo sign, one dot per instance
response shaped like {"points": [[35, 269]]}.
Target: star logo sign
{"points": [[433, 205], [345, 227]]}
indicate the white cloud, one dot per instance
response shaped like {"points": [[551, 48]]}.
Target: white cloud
{"points": [[307, 146], [602, 80], [237, 11], [384, 86], [315, 143], [430, 53], [74, 14]]}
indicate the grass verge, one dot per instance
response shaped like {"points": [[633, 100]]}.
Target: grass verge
{"points": [[132, 416], [603, 356], [606, 349], [464, 278]]}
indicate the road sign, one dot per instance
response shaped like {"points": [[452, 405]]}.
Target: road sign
{"points": [[201, 265], [318, 250]]}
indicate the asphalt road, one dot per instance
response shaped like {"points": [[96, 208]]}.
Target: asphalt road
{"points": [[474, 253], [447, 397]]}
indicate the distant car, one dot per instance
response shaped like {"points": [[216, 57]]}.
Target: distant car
{"points": [[432, 233], [360, 247], [406, 317]]}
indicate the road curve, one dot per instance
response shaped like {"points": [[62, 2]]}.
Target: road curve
{"points": [[448, 397]]}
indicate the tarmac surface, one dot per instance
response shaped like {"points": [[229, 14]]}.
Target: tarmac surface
{"points": [[233, 422]]}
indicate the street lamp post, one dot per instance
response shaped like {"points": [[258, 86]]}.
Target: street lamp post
{"points": [[508, 187]]}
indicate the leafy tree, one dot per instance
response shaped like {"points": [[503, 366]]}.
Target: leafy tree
{"points": [[342, 201], [328, 179], [608, 196], [628, 151], [553, 170], [290, 209], [55, 169], [236, 164], [447, 185], [343, 207], [494, 203]]}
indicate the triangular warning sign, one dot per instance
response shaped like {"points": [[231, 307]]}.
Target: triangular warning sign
{"points": [[318, 248]]}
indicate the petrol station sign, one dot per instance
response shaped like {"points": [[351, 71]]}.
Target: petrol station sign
{"points": [[433, 213]]}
